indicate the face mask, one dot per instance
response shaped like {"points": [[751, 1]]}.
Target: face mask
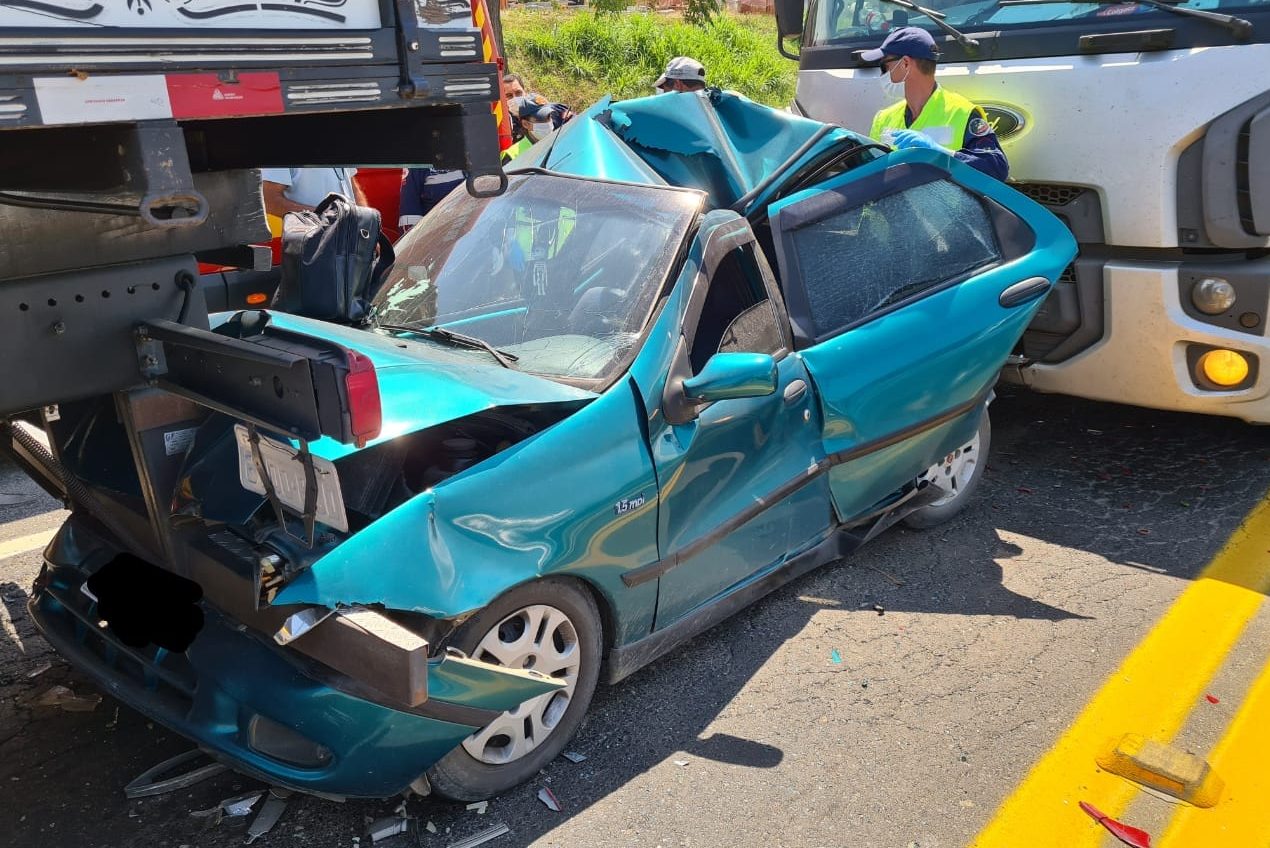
{"points": [[893, 90], [537, 130]]}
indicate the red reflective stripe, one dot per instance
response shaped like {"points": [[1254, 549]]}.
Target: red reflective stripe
{"points": [[208, 96]]}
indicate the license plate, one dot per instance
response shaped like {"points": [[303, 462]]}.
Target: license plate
{"points": [[286, 471]]}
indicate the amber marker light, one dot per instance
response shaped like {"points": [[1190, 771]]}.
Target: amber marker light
{"points": [[256, 298], [1224, 368]]}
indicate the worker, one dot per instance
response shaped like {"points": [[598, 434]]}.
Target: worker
{"points": [[533, 118], [929, 115], [683, 73], [423, 189]]}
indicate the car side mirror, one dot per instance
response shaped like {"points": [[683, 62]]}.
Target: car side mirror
{"points": [[727, 376], [789, 23]]}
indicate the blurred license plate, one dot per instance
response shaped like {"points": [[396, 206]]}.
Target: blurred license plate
{"points": [[286, 471]]}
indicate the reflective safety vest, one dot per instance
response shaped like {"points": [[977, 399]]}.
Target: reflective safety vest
{"points": [[943, 120]]}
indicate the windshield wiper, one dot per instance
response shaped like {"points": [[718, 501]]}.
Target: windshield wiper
{"points": [[938, 18], [1240, 27], [441, 334]]}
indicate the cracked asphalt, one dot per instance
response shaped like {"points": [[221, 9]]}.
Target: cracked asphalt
{"points": [[809, 719]]}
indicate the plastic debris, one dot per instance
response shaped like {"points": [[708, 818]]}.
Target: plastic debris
{"points": [[681, 763], [574, 757], [159, 779], [384, 828], [1125, 833], [879, 609], [38, 670], [268, 816], [835, 657], [1212, 699], [548, 797], [430, 827], [62, 696], [479, 806], [241, 806], [482, 837], [114, 722]]}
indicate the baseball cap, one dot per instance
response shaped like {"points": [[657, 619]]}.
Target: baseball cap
{"points": [[682, 68], [905, 41], [530, 106]]}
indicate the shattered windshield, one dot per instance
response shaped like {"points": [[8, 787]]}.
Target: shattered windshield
{"points": [[558, 272], [866, 22]]}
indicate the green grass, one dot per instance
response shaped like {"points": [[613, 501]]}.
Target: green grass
{"points": [[575, 57]]}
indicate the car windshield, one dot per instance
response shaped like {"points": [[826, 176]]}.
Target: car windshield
{"points": [[864, 23], [559, 273]]}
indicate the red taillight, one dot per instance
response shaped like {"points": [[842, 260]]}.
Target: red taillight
{"points": [[365, 412]]}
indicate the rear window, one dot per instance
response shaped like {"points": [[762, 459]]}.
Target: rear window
{"points": [[866, 258]]}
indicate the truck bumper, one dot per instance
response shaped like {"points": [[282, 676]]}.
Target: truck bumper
{"points": [[1146, 354]]}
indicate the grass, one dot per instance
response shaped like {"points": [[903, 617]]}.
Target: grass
{"points": [[576, 57]]}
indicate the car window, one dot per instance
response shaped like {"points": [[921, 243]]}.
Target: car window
{"points": [[865, 258], [738, 315]]}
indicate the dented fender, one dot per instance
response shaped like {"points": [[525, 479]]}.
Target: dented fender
{"points": [[543, 506]]}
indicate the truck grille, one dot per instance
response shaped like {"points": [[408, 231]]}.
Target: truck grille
{"points": [[1049, 194], [1243, 182]]}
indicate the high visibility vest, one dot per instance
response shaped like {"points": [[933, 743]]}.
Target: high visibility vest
{"points": [[518, 148], [943, 120]]}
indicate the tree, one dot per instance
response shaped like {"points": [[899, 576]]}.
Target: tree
{"points": [[701, 12]]}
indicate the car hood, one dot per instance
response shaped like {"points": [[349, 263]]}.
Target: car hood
{"points": [[423, 384]]}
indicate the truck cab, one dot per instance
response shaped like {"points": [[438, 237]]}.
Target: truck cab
{"points": [[1145, 127]]}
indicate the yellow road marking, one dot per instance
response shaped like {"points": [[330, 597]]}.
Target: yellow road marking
{"points": [[26, 544], [1239, 819], [1152, 693]]}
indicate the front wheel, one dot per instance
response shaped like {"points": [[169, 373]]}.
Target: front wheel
{"points": [[553, 627], [957, 475]]}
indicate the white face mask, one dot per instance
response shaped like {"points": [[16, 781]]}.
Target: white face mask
{"points": [[893, 90], [537, 130]]}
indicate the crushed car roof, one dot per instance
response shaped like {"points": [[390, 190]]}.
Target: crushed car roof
{"points": [[717, 141]]}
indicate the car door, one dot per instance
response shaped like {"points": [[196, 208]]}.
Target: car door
{"points": [[908, 282], [736, 485]]}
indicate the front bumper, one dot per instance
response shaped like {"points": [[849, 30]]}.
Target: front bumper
{"points": [[1142, 357], [213, 692]]}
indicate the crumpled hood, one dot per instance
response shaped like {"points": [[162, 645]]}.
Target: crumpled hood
{"points": [[422, 384]]}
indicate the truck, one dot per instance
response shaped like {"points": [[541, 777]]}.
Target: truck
{"points": [[1145, 127]]}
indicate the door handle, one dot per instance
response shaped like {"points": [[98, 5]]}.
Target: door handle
{"points": [[794, 391], [1021, 293]]}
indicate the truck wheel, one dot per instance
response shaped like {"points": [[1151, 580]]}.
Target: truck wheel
{"points": [[958, 475], [553, 627]]}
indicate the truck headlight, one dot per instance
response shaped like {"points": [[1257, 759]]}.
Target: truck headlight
{"points": [[1213, 295]]}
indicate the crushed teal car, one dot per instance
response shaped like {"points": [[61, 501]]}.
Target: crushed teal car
{"points": [[696, 349]]}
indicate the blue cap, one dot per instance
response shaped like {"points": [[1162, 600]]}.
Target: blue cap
{"points": [[905, 41]]}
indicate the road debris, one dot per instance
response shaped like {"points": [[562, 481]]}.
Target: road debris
{"points": [[1125, 833], [38, 670], [160, 779], [835, 657], [482, 837], [574, 756], [64, 697], [878, 609], [114, 722], [386, 827], [681, 763], [239, 805], [479, 806], [548, 797], [1212, 699], [268, 816], [430, 827]]}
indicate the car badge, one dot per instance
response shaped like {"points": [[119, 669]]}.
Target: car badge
{"points": [[1004, 120]]}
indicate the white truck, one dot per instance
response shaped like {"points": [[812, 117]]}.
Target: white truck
{"points": [[1145, 126]]}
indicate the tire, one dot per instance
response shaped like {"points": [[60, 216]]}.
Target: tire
{"points": [[463, 776], [944, 509]]}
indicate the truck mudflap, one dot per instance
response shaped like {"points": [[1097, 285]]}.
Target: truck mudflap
{"points": [[275, 711]]}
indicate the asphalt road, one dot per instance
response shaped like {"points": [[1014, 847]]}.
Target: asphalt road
{"points": [[994, 631]]}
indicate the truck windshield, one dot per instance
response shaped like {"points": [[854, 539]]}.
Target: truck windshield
{"points": [[558, 272], [864, 23]]}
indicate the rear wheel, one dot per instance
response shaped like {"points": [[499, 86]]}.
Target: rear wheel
{"points": [[957, 475], [553, 627]]}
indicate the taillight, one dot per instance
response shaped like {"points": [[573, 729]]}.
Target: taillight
{"points": [[365, 412]]}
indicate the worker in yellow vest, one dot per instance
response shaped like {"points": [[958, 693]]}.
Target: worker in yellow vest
{"points": [[929, 115]]}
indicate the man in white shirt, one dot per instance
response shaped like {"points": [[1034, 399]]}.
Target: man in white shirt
{"points": [[298, 189]]}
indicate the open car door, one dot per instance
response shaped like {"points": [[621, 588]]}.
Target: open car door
{"points": [[908, 282]]}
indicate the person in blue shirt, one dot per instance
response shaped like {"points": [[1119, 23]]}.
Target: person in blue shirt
{"points": [[925, 114], [422, 189]]}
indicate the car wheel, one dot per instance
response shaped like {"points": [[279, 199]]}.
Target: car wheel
{"points": [[551, 626], [958, 475]]}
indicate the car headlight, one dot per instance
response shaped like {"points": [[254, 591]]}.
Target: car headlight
{"points": [[1213, 295]]}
